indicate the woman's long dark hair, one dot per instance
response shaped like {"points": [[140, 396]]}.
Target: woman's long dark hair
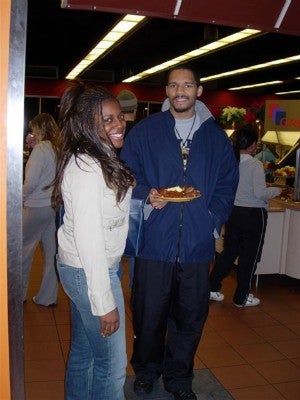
{"points": [[242, 138], [81, 122]]}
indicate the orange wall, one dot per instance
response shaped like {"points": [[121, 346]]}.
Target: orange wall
{"points": [[4, 52]]}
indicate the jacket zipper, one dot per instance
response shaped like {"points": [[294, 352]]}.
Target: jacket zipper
{"points": [[181, 216]]}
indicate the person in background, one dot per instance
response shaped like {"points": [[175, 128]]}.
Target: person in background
{"points": [[171, 288], [29, 144], [30, 141], [95, 188], [38, 214], [265, 154], [128, 103], [246, 226], [268, 158]]}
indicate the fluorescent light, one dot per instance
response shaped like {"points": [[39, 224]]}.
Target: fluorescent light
{"points": [[224, 74], [213, 46], [236, 37], [255, 85], [251, 68], [290, 92], [111, 38], [196, 53]]}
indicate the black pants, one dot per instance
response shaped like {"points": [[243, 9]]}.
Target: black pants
{"points": [[244, 238], [170, 306]]}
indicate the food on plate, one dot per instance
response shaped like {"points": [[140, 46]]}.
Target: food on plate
{"points": [[286, 171], [286, 194], [179, 192]]}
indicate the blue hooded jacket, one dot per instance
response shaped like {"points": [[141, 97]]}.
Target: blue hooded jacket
{"points": [[182, 231]]}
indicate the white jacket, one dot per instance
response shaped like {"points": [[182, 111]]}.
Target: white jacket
{"points": [[39, 172], [94, 229]]}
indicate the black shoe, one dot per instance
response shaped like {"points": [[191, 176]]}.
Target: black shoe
{"points": [[184, 395], [142, 387]]}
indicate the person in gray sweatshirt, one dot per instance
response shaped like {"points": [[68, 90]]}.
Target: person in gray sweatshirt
{"points": [[38, 215], [246, 226]]}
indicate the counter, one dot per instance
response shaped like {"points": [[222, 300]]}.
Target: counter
{"points": [[281, 251]]}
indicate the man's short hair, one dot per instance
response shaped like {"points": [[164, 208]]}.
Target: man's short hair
{"points": [[190, 67]]}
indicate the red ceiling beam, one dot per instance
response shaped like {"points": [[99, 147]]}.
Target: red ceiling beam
{"points": [[256, 14]]}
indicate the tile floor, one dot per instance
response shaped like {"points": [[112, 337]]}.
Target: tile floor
{"points": [[252, 353]]}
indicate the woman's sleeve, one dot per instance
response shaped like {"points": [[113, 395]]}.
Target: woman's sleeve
{"points": [[33, 172], [261, 191]]}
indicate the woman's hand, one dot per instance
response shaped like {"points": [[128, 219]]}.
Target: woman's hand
{"points": [[155, 199], [110, 323]]}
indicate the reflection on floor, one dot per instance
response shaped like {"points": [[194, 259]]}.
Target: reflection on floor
{"points": [[245, 354]]}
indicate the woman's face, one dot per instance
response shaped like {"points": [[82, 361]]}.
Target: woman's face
{"points": [[114, 123]]}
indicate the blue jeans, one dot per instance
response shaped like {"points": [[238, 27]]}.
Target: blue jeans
{"points": [[97, 365]]}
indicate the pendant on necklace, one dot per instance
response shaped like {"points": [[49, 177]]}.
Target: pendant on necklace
{"points": [[185, 154]]}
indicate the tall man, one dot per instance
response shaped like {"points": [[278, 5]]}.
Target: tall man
{"points": [[177, 147]]}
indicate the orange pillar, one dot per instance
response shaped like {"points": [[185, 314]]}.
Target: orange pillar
{"points": [[5, 7]]}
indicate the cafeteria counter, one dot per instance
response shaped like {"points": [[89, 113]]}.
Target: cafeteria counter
{"points": [[281, 251]]}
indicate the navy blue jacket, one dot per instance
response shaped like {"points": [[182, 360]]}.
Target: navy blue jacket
{"points": [[182, 231]]}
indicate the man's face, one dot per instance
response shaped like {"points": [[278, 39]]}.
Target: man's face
{"points": [[182, 91]]}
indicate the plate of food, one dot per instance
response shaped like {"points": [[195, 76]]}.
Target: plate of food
{"points": [[178, 194], [285, 172]]}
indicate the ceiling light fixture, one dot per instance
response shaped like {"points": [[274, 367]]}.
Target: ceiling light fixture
{"points": [[252, 68], [286, 138], [123, 27], [255, 85], [208, 48], [290, 92]]}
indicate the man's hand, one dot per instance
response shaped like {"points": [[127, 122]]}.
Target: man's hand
{"points": [[155, 199]]}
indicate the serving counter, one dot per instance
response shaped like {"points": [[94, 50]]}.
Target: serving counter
{"points": [[281, 251]]}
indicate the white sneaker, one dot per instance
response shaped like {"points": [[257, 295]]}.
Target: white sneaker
{"points": [[216, 296], [251, 301]]}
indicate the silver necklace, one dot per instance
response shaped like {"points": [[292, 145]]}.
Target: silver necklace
{"points": [[185, 149]]}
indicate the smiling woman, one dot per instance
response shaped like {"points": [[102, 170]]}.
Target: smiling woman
{"points": [[95, 188]]}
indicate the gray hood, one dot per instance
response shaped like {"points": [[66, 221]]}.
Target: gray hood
{"points": [[200, 109]]}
